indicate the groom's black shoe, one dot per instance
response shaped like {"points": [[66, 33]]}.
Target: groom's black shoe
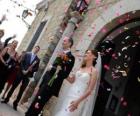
{"points": [[15, 106], [4, 101]]}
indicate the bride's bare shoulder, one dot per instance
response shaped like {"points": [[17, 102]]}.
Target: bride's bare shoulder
{"points": [[94, 71]]}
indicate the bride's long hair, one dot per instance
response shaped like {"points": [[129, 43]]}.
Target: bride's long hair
{"points": [[95, 53]]}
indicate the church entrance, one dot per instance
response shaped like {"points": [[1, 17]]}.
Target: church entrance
{"points": [[118, 93]]}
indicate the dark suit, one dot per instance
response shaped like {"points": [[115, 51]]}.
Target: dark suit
{"points": [[46, 92], [25, 64]]}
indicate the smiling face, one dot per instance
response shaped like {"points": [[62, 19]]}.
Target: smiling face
{"points": [[36, 49], [14, 44], [89, 56], [66, 43]]}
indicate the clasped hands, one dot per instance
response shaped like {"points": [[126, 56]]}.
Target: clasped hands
{"points": [[61, 54], [7, 65], [28, 70]]}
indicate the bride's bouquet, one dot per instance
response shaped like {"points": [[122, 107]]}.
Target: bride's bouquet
{"points": [[59, 60]]}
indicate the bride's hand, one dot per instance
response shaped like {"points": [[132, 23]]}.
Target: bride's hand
{"points": [[73, 106]]}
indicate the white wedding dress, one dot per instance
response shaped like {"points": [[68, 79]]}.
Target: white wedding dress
{"points": [[70, 92], [76, 90]]}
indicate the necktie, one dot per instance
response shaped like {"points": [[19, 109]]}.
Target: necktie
{"points": [[32, 58]]}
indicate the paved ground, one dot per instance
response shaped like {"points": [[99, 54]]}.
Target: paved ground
{"points": [[7, 110]]}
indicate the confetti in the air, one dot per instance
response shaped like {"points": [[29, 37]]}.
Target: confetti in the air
{"points": [[106, 67]]}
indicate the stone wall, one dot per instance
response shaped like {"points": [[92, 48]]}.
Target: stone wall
{"points": [[56, 14], [92, 14], [89, 17], [28, 37]]}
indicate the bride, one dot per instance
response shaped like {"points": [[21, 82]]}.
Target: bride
{"points": [[77, 98]]}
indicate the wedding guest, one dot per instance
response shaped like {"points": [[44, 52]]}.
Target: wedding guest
{"points": [[7, 60], [29, 65], [13, 73], [8, 39], [6, 42], [53, 78]]}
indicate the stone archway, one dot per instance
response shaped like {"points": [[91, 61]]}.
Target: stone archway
{"points": [[120, 49], [109, 21], [105, 24], [100, 33], [105, 27]]}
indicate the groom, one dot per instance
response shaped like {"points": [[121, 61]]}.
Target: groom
{"points": [[53, 78]]}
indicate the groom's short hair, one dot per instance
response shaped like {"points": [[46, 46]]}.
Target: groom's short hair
{"points": [[71, 41]]}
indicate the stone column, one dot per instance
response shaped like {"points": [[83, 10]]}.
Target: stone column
{"points": [[29, 90]]}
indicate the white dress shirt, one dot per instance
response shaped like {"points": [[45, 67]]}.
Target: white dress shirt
{"points": [[32, 57]]}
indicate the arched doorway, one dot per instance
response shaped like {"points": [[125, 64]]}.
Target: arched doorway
{"points": [[110, 30], [118, 92]]}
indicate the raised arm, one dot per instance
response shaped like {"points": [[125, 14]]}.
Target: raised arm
{"points": [[2, 19], [7, 41], [2, 54]]}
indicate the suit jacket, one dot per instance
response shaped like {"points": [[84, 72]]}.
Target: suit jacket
{"points": [[26, 62], [66, 67]]}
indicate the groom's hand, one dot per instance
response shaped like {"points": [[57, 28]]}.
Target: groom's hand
{"points": [[61, 54], [59, 68], [49, 67]]}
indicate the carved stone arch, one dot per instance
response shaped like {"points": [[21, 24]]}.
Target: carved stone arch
{"points": [[106, 24], [106, 19]]}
